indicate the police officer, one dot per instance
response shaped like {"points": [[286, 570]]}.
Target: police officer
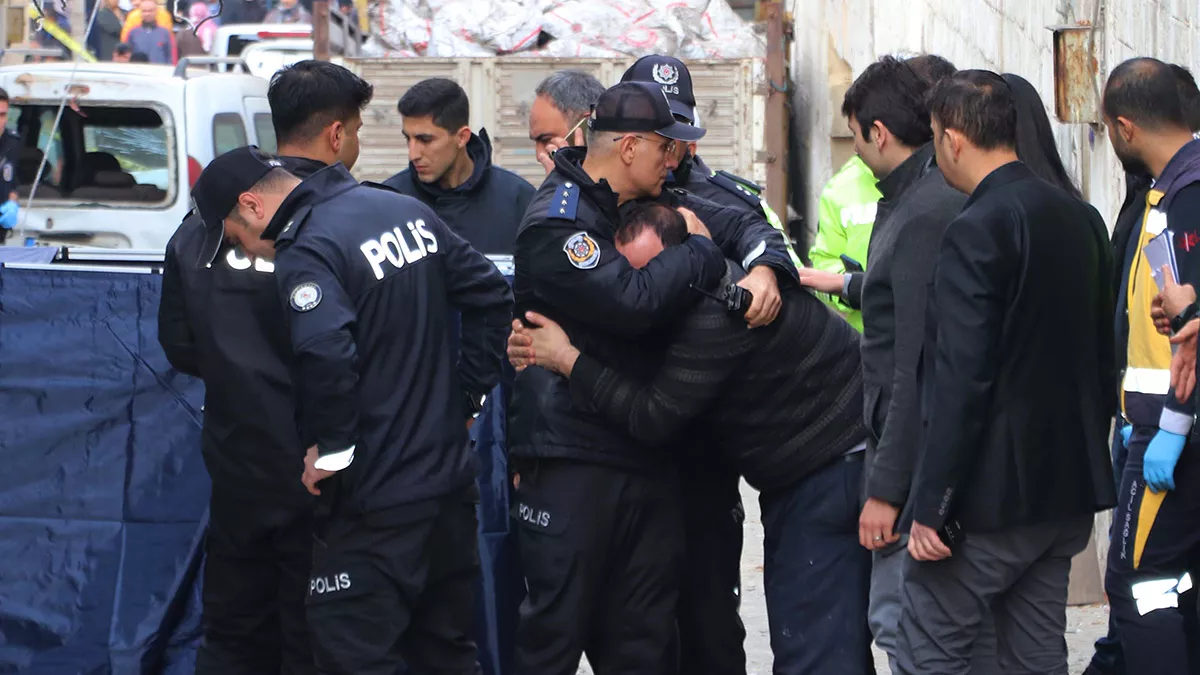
{"points": [[369, 277], [10, 149], [598, 517], [220, 319], [693, 174]]}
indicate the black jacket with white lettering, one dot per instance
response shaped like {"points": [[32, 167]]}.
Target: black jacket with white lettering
{"points": [[485, 210], [568, 268], [369, 277], [223, 323]]}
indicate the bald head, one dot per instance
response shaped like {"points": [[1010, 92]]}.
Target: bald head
{"points": [[1146, 92]]}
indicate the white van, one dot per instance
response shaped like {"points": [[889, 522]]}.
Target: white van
{"points": [[131, 143]]}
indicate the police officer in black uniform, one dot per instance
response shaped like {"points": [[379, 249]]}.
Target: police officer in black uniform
{"points": [[598, 514], [220, 319], [369, 278], [10, 151]]}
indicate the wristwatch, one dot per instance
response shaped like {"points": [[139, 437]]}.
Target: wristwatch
{"points": [[474, 403], [1190, 312]]}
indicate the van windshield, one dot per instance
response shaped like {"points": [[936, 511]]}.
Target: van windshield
{"points": [[99, 155]]}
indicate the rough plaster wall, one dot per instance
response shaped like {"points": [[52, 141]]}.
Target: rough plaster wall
{"points": [[1000, 35]]}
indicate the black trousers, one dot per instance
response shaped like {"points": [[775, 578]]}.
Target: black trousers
{"points": [[601, 549], [711, 634], [255, 581], [397, 588]]}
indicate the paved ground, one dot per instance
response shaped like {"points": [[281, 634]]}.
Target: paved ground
{"points": [[1084, 624]]}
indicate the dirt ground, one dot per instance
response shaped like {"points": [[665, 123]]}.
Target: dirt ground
{"points": [[1084, 624]]}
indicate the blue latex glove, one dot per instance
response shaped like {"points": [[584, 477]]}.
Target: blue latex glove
{"points": [[1159, 466], [8, 214], [1126, 432]]}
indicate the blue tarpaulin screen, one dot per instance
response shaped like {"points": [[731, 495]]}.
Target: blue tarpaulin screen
{"points": [[103, 496]]}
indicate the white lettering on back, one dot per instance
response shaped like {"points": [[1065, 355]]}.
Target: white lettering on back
{"points": [[402, 245]]}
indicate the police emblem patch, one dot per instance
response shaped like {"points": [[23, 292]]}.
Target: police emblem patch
{"points": [[305, 297], [8, 172], [665, 73], [582, 251]]}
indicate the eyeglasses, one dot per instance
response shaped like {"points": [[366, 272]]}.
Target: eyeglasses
{"points": [[668, 147]]}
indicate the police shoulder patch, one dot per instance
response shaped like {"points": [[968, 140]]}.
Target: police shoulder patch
{"points": [[564, 201], [306, 296], [8, 172], [582, 250], [723, 181]]}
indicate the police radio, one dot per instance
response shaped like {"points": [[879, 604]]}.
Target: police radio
{"points": [[735, 298]]}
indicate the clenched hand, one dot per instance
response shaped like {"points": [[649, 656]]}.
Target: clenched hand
{"points": [[763, 285]]}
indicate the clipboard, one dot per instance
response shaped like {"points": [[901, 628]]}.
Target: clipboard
{"points": [[1160, 251]]}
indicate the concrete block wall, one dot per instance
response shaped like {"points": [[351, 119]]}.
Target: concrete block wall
{"points": [[1001, 35]]}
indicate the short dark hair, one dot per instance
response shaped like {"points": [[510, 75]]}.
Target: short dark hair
{"points": [[139, 57], [439, 98], [978, 103], [1145, 91], [123, 48], [3, 95], [309, 95], [1189, 95], [931, 68], [573, 92], [890, 92], [666, 222]]}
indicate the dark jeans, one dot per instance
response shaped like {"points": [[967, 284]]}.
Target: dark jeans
{"points": [[817, 575], [1108, 658], [255, 581], [711, 633]]}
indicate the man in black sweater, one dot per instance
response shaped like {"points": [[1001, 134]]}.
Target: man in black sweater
{"points": [[783, 404], [1018, 375]]}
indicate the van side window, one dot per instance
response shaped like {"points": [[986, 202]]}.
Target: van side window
{"points": [[229, 133], [264, 129]]}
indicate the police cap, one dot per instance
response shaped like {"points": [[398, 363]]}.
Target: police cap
{"points": [[672, 76], [220, 184], [640, 106]]}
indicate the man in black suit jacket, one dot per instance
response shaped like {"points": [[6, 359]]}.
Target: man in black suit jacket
{"points": [[1018, 369]]}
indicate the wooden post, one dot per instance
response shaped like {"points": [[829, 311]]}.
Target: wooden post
{"points": [[776, 120], [320, 30]]}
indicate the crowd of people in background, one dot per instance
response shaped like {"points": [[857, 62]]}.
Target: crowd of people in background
{"points": [[150, 31]]}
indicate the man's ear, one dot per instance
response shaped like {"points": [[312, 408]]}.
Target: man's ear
{"points": [[1126, 129], [954, 143], [880, 135], [336, 134], [463, 136], [627, 148]]}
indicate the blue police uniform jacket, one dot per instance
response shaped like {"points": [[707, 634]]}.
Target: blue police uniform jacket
{"points": [[369, 278], [485, 210], [223, 323], [10, 155], [568, 269]]}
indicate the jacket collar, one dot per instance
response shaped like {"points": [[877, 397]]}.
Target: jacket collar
{"points": [[479, 149], [911, 169], [318, 188], [1181, 171], [1009, 173], [301, 167], [569, 163]]}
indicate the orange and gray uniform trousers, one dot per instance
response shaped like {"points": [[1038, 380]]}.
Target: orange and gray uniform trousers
{"points": [[1155, 544]]}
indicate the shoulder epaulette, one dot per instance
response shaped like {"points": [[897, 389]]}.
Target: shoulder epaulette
{"points": [[293, 226], [380, 186], [564, 202], [744, 182], [722, 180]]}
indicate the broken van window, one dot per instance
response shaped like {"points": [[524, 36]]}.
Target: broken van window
{"points": [[100, 154]]}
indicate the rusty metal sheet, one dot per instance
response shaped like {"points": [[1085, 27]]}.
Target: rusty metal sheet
{"points": [[1075, 70]]}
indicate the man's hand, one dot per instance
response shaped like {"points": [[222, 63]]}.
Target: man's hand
{"points": [[551, 345], [763, 285], [313, 475], [1158, 468], [820, 280], [694, 224], [876, 523], [924, 544], [1173, 299], [546, 159], [520, 347], [1183, 361]]}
